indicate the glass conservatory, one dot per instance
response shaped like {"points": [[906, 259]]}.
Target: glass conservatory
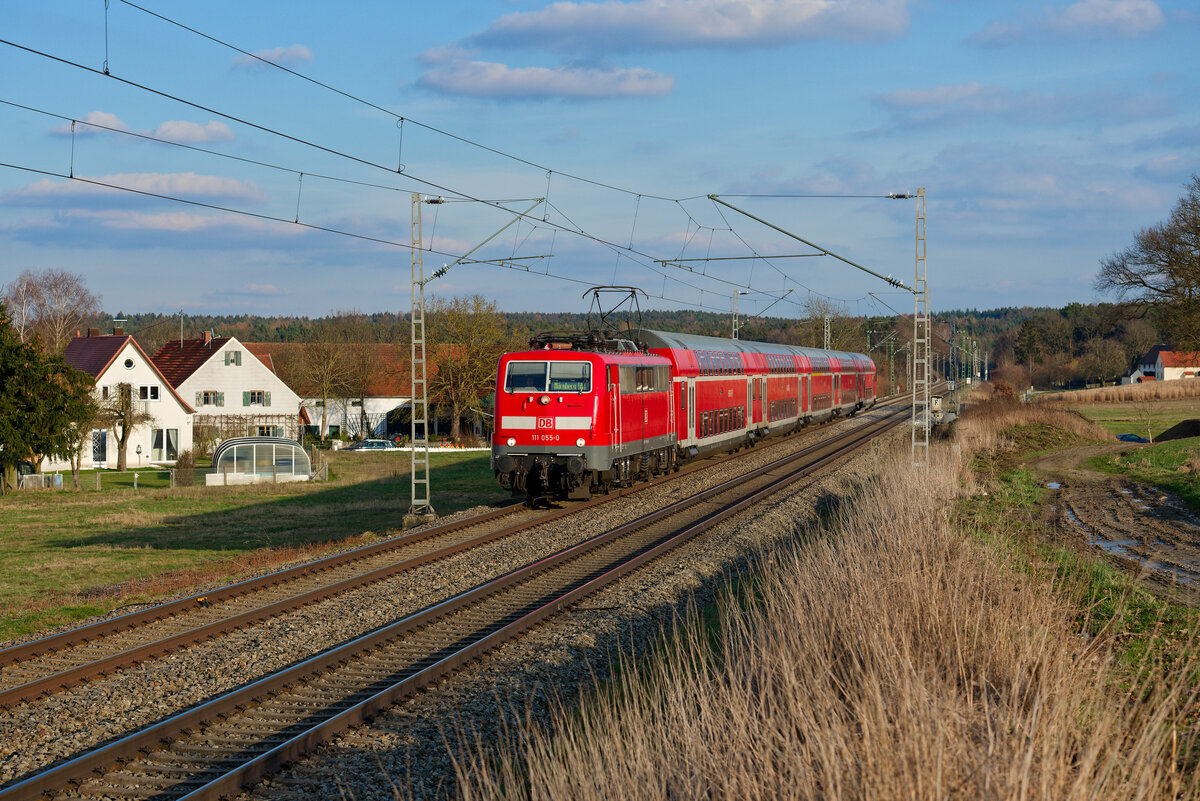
{"points": [[250, 460]]}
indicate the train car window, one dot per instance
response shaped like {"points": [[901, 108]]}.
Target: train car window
{"points": [[570, 377], [525, 377], [628, 380], [664, 378]]}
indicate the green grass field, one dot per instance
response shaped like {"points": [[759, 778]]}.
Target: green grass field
{"points": [[1138, 418], [67, 555]]}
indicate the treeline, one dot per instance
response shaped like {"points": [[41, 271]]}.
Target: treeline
{"points": [[1074, 345]]}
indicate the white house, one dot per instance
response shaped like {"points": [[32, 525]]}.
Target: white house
{"points": [[234, 394], [114, 360], [368, 416], [1175, 364]]}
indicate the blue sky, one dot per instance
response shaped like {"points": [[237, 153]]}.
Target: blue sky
{"points": [[1045, 134]]}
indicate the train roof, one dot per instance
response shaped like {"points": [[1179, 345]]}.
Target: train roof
{"points": [[667, 339]]}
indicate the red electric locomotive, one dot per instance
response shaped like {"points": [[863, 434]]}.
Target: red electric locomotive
{"points": [[580, 413]]}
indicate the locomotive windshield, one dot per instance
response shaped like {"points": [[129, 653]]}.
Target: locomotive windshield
{"points": [[548, 377]]}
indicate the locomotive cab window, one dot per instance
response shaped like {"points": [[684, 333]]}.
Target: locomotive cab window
{"points": [[570, 377], [525, 377], [548, 377]]}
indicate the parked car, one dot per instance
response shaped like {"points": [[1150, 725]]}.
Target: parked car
{"points": [[371, 445], [1131, 438]]}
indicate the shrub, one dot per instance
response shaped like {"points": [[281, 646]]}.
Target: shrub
{"points": [[185, 469]]}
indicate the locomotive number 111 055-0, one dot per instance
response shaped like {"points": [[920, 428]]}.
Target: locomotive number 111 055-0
{"points": [[546, 437]]}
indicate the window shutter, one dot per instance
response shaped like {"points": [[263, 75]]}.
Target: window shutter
{"points": [[199, 398], [220, 398], [246, 398], [227, 355], [266, 399], [237, 357]]}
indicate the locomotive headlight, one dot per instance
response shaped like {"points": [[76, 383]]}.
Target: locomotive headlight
{"points": [[511, 441], [544, 400], [579, 442]]}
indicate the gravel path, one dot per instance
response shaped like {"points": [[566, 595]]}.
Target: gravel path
{"points": [[40, 733]]}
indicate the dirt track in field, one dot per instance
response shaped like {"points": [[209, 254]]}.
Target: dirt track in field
{"points": [[1148, 531]]}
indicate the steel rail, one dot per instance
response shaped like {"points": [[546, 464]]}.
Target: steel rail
{"points": [[60, 679], [128, 747]]}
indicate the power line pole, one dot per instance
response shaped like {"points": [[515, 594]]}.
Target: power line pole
{"points": [[921, 342], [420, 508]]}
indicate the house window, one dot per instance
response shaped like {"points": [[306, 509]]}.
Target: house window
{"points": [[210, 398], [233, 357], [104, 393], [256, 397], [129, 364], [148, 392], [266, 431], [164, 444]]}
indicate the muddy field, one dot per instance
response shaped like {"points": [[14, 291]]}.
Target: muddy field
{"points": [[1149, 531]]}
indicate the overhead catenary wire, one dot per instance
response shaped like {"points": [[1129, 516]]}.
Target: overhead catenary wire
{"points": [[399, 117], [578, 230], [634, 255], [324, 229]]}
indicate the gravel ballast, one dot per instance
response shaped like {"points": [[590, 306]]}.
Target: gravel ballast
{"points": [[408, 741]]}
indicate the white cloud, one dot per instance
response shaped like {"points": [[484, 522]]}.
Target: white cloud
{"points": [[187, 185], [487, 79], [290, 56], [1126, 18], [102, 118], [675, 24], [1164, 168], [974, 101], [1083, 19], [193, 132]]}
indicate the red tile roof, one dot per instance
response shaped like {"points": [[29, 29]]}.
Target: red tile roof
{"points": [[94, 354], [179, 359], [1179, 358], [389, 374]]}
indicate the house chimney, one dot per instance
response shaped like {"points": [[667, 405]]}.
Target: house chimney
{"points": [[208, 337], [118, 332], [93, 332]]}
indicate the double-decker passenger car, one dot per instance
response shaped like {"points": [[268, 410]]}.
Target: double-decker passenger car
{"points": [[582, 413]]}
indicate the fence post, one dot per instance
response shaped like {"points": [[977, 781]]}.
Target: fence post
{"points": [[97, 481], [274, 473], [172, 472], [135, 475]]}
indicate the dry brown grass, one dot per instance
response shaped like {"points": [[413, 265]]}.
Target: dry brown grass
{"points": [[891, 657], [1128, 393], [989, 415]]}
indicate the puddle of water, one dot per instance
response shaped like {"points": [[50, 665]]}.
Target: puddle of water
{"points": [[1053, 485]]}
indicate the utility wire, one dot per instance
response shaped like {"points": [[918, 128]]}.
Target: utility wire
{"points": [[389, 112]]}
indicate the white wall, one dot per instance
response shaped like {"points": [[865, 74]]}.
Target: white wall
{"points": [[235, 379], [166, 411], [342, 412]]}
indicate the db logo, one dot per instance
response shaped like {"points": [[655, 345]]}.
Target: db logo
{"points": [[545, 422]]}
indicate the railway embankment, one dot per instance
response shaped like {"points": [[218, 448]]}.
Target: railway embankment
{"points": [[928, 637]]}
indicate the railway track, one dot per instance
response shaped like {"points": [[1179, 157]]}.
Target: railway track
{"points": [[50, 664], [239, 737]]}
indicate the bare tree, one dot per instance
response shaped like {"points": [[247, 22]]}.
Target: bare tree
{"points": [[1160, 271], [467, 336], [51, 304], [845, 333], [120, 413], [22, 299], [323, 365]]}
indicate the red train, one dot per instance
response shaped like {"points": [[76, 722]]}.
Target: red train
{"points": [[578, 413]]}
